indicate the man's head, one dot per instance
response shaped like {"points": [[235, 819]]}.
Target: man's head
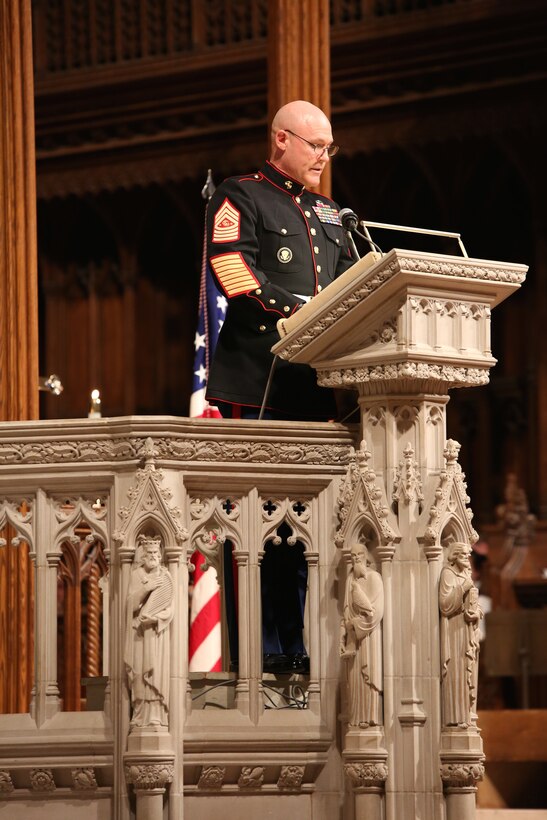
{"points": [[151, 552], [458, 554], [294, 127], [359, 562]]}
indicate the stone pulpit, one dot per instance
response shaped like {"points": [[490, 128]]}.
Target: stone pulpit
{"points": [[401, 330], [383, 724]]}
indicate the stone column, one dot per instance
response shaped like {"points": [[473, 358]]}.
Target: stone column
{"points": [[460, 785], [405, 437], [149, 779], [368, 780], [120, 571], [242, 694], [45, 701], [299, 58], [18, 265], [314, 629], [177, 564]]}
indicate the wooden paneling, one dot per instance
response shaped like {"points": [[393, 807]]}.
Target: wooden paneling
{"points": [[16, 625], [514, 734], [18, 276]]}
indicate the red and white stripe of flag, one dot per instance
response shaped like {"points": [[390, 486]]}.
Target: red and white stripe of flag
{"points": [[204, 646]]}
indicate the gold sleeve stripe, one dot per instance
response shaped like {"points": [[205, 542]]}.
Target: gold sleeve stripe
{"points": [[233, 273]]}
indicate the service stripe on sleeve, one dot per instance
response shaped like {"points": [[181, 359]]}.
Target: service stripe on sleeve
{"points": [[233, 273], [227, 223]]}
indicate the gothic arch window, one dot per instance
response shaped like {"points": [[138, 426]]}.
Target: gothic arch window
{"points": [[79, 616]]}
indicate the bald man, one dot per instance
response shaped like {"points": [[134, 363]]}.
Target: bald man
{"points": [[273, 244]]}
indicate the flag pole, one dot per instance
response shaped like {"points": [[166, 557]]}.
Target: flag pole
{"points": [[209, 188], [205, 631]]}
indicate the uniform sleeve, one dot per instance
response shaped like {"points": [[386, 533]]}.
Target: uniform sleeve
{"points": [[233, 252]]}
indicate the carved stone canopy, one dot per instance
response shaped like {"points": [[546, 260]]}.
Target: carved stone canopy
{"points": [[404, 318], [362, 503]]}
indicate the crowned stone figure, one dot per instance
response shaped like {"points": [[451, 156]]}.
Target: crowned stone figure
{"points": [[150, 610]]}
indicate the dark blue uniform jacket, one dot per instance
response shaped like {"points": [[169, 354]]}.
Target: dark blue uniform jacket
{"points": [[270, 241]]}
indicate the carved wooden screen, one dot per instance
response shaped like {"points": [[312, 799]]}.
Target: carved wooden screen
{"points": [[16, 624], [104, 32], [79, 614]]}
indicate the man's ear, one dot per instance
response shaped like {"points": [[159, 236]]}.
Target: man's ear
{"points": [[280, 140]]}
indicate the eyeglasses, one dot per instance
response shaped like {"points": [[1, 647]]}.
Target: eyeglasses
{"points": [[318, 150]]}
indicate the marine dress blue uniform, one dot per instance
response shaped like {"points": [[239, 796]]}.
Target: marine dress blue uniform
{"points": [[272, 244]]}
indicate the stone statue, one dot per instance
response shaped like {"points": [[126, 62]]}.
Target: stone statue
{"points": [[461, 614], [150, 610], [361, 640]]}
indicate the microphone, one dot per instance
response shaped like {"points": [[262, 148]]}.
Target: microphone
{"points": [[349, 219]]}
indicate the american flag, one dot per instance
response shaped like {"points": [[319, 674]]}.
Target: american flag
{"points": [[212, 310], [204, 648], [204, 644]]}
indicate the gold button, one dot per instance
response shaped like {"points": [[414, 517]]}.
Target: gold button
{"points": [[319, 269], [258, 291], [319, 288], [307, 213], [337, 241], [286, 308], [262, 327], [256, 176], [315, 249], [297, 199], [313, 231], [272, 301], [283, 230]]}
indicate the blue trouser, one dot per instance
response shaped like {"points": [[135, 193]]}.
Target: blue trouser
{"points": [[283, 581]]}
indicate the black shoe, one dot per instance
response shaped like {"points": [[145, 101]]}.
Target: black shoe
{"points": [[276, 663], [300, 663]]}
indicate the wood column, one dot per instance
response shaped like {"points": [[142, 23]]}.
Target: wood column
{"points": [[18, 326], [18, 265], [299, 58], [16, 625]]}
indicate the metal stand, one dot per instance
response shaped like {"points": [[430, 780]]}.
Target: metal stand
{"points": [[268, 386]]}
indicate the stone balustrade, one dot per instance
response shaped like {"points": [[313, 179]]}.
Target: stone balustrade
{"points": [[170, 477]]}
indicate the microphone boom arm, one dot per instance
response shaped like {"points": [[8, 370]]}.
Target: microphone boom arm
{"points": [[352, 246], [365, 224]]}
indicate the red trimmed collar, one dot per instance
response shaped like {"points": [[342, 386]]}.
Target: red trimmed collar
{"points": [[283, 181]]}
